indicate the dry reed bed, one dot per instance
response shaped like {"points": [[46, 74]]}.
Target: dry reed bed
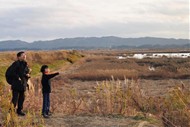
{"points": [[103, 67]]}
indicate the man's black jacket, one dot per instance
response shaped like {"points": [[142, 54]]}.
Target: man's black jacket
{"points": [[19, 71]]}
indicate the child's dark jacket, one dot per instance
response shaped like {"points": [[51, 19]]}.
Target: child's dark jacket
{"points": [[46, 82]]}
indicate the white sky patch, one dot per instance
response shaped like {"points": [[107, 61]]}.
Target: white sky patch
{"points": [[50, 19]]}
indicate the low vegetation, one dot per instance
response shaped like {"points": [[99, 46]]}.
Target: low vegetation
{"points": [[118, 91]]}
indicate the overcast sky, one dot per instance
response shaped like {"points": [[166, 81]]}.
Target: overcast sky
{"points": [[31, 20]]}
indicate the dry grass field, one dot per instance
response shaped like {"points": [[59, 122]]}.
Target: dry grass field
{"points": [[95, 89], [104, 65]]}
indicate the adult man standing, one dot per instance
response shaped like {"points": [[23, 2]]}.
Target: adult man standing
{"points": [[19, 72]]}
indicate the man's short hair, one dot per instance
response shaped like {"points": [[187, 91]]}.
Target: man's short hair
{"points": [[19, 53]]}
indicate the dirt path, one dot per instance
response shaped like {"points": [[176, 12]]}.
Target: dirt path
{"points": [[141, 124], [93, 121], [69, 68]]}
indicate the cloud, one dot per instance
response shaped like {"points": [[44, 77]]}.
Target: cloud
{"points": [[49, 19]]}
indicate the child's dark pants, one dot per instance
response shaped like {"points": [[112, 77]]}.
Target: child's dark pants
{"points": [[46, 103]]}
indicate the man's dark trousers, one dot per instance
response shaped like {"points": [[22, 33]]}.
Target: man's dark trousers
{"points": [[18, 98]]}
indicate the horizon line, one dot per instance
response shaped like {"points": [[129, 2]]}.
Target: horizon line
{"points": [[94, 37]]}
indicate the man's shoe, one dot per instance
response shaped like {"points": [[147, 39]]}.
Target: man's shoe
{"points": [[21, 113], [45, 116]]}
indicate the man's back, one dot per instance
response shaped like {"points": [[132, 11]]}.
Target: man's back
{"points": [[19, 81]]}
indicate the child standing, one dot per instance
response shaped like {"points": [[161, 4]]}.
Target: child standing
{"points": [[46, 89]]}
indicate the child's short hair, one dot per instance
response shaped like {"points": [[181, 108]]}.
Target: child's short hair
{"points": [[43, 68]]}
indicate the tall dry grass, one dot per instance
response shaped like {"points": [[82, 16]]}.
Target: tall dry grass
{"points": [[8, 116], [127, 98]]}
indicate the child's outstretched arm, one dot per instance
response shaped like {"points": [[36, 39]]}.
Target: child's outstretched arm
{"points": [[49, 76]]}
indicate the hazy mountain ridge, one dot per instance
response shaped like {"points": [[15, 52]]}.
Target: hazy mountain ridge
{"points": [[96, 42]]}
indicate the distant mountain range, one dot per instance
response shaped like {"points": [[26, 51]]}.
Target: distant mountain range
{"points": [[109, 42]]}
